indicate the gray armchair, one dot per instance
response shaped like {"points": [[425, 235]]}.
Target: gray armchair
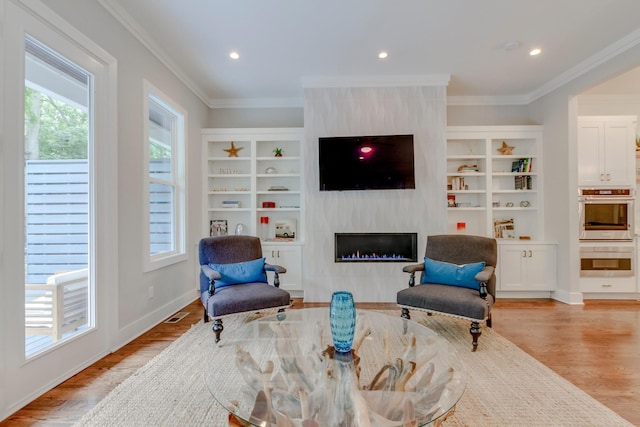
{"points": [[443, 287], [233, 279]]}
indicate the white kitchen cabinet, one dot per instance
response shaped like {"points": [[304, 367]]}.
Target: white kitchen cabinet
{"points": [[289, 257], [606, 151], [527, 267]]}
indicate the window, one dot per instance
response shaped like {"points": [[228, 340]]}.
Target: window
{"points": [[57, 193], [165, 189]]}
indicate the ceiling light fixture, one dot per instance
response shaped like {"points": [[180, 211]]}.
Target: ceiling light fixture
{"points": [[535, 51], [234, 55], [383, 55]]}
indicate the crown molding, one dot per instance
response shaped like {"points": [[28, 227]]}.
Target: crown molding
{"points": [[585, 66], [487, 100], [375, 81], [606, 54], [257, 103], [132, 26]]}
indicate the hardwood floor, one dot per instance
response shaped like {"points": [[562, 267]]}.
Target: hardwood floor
{"points": [[595, 346]]}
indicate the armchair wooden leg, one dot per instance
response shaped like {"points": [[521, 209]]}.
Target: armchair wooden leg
{"points": [[475, 333], [489, 321], [405, 313], [217, 328], [206, 315]]}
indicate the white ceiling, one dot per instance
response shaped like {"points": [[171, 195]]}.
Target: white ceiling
{"points": [[285, 42]]}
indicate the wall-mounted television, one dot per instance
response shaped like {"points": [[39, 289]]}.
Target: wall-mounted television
{"points": [[383, 162]]}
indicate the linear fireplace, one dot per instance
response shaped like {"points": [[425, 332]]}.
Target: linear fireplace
{"points": [[376, 247]]}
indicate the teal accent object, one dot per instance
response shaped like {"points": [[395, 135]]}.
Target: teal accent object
{"points": [[446, 273], [240, 272], [342, 318]]}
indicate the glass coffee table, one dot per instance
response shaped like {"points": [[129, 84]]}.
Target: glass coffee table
{"points": [[281, 370]]}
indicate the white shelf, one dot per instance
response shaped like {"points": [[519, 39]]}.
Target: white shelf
{"points": [[255, 156], [494, 182]]}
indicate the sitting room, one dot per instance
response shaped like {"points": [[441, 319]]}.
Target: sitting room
{"points": [[465, 173]]}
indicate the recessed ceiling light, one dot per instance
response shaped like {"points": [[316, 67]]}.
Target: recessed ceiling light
{"points": [[383, 55], [535, 51], [234, 55]]}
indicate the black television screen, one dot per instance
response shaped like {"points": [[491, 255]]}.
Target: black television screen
{"points": [[366, 163]]}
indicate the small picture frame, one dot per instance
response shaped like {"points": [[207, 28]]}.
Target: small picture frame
{"points": [[217, 227], [285, 229], [504, 229]]}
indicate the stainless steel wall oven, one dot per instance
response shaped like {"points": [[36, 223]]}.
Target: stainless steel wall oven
{"points": [[606, 214]]}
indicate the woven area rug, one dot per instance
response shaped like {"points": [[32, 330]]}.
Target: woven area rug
{"points": [[505, 387]]}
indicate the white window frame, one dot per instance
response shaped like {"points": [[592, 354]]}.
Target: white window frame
{"points": [[178, 180]]}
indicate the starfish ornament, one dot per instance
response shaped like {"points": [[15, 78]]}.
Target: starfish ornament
{"points": [[233, 151], [506, 150]]}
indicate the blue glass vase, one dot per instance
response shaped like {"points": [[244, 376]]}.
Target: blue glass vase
{"points": [[342, 318]]}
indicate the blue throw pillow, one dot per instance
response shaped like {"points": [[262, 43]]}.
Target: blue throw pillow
{"points": [[445, 273], [240, 272]]}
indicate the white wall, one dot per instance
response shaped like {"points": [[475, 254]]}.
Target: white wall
{"points": [[256, 118], [558, 112], [174, 285], [420, 111]]}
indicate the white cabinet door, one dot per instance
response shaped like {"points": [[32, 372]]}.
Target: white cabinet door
{"points": [[289, 257], [541, 268], [511, 264], [527, 267], [619, 154], [606, 150], [590, 155]]}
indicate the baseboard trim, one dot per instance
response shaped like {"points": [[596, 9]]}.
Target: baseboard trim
{"points": [[133, 330]]}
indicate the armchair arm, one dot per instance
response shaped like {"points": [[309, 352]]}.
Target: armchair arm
{"points": [[274, 267], [483, 277], [412, 270], [485, 274], [212, 275], [277, 269]]}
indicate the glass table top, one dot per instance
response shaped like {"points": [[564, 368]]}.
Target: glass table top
{"points": [[281, 370]]}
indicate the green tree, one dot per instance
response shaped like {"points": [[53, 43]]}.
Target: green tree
{"points": [[60, 130]]}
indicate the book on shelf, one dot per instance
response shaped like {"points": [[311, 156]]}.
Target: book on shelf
{"points": [[230, 204], [521, 165], [457, 183], [523, 182]]}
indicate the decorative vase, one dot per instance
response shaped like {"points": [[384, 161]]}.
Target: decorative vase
{"points": [[240, 228], [342, 318]]}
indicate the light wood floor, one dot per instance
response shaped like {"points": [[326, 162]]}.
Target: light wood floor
{"points": [[595, 346]]}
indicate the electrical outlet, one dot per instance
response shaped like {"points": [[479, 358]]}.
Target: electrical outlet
{"points": [[150, 292]]}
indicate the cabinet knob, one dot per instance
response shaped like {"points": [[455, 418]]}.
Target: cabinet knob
{"points": [[530, 253], [606, 285], [524, 254], [608, 177]]}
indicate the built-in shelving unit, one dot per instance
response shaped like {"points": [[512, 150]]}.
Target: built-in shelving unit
{"points": [[493, 191], [255, 184]]}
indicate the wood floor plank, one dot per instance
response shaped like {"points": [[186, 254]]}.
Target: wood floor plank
{"points": [[595, 346]]}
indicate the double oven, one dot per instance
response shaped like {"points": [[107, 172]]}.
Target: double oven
{"points": [[607, 231]]}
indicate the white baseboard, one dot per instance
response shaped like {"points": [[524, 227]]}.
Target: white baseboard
{"points": [[133, 330]]}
